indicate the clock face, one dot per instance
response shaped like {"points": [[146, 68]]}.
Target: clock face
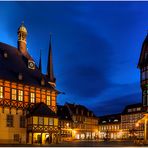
{"points": [[31, 64]]}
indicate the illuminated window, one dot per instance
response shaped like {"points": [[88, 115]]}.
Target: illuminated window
{"points": [[103, 121], [20, 95], [32, 97], [41, 121], [48, 100], [116, 120], [13, 94], [130, 110], [1, 92], [50, 121], [53, 101]]}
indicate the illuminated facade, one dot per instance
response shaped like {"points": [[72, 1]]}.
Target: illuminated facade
{"points": [[65, 123], [110, 127], [129, 118], [143, 66], [27, 96], [85, 123]]}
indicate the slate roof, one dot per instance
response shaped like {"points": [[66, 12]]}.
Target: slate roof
{"points": [[132, 106], [63, 113], [74, 107], [16, 63], [110, 119], [40, 109]]}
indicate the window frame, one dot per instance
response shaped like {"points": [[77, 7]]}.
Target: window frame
{"points": [[31, 98], [9, 120], [48, 100], [20, 95], [13, 94], [22, 121], [1, 92]]}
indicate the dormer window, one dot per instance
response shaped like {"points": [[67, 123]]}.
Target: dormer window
{"points": [[81, 112], [76, 110], [20, 76], [88, 114], [130, 110], [31, 64], [116, 120], [42, 82], [5, 55]]}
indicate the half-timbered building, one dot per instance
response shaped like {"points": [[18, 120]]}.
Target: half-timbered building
{"points": [[27, 96]]}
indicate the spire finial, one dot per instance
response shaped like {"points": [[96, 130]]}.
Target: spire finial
{"points": [[50, 38], [22, 24]]}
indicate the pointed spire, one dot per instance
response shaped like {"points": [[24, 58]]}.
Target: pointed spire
{"points": [[40, 63], [50, 73]]}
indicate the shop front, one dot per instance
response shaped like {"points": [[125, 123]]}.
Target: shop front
{"points": [[42, 125]]}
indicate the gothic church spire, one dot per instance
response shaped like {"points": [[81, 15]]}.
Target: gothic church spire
{"points": [[50, 72]]}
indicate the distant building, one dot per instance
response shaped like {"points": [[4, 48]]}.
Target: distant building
{"points": [[131, 129], [27, 96], [110, 127], [85, 123], [65, 123]]}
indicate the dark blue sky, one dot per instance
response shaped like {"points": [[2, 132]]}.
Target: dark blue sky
{"points": [[96, 47]]}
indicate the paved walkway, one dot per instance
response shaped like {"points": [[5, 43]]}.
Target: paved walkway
{"points": [[80, 144]]}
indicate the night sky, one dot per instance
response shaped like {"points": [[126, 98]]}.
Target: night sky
{"points": [[96, 47]]}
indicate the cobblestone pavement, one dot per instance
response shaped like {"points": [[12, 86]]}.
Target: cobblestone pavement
{"points": [[80, 144]]}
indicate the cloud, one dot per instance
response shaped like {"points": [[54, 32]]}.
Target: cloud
{"points": [[86, 64], [116, 105], [96, 46]]}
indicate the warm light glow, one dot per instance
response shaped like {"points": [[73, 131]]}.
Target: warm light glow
{"points": [[20, 95], [48, 100], [1, 92], [67, 124], [137, 124], [120, 133], [13, 94], [32, 97], [74, 131]]}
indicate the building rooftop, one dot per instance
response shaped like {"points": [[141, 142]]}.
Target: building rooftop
{"points": [[132, 108], [13, 63], [40, 109], [110, 119], [79, 110], [63, 113]]}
